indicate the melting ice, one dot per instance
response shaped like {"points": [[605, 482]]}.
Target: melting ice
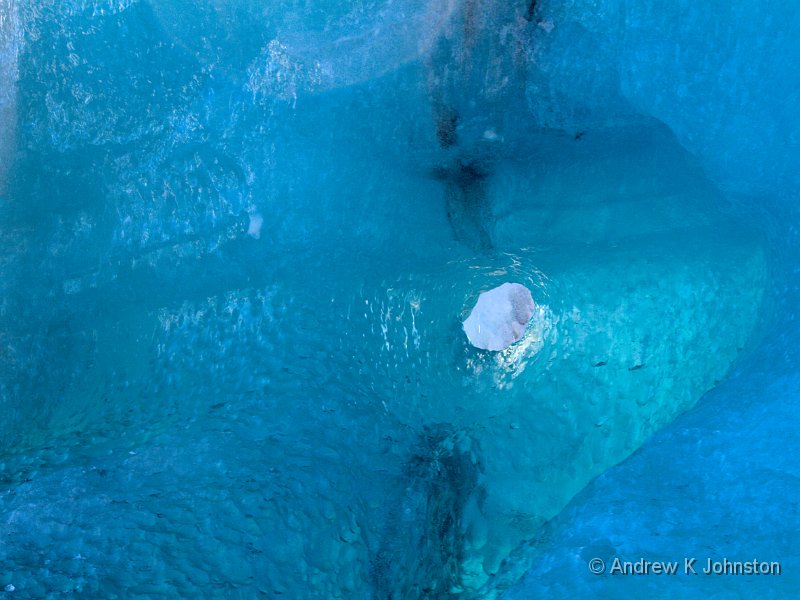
{"points": [[240, 243]]}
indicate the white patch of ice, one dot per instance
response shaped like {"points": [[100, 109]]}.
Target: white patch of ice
{"points": [[547, 25], [499, 317]]}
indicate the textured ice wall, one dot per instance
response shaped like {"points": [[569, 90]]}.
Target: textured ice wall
{"points": [[313, 47], [213, 381], [156, 325], [9, 30], [719, 481], [499, 317], [725, 93], [728, 96]]}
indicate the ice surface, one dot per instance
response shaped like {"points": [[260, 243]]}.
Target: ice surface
{"points": [[499, 317], [722, 92], [439, 426], [723, 467], [9, 32], [231, 356]]}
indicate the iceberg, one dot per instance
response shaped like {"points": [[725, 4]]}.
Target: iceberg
{"points": [[9, 27]]}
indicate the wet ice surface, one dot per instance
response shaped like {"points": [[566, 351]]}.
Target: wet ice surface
{"points": [[724, 467], [9, 42], [233, 361]]}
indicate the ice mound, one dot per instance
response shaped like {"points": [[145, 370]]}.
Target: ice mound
{"points": [[499, 317]]}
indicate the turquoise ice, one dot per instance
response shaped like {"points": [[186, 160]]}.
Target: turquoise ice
{"points": [[240, 244], [500, 317], [8, 90]]}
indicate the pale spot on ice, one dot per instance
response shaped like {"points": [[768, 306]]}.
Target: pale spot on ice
{"points": [[499, 317], [547, 25]]}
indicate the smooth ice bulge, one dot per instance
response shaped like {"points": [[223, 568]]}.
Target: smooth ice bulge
{"points": [[499, 317]]}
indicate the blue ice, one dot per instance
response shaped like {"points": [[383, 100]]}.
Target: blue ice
{"points": [[240, 246]]}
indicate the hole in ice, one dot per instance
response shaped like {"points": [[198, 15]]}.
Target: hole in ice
{"points": [[499, 317]]}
